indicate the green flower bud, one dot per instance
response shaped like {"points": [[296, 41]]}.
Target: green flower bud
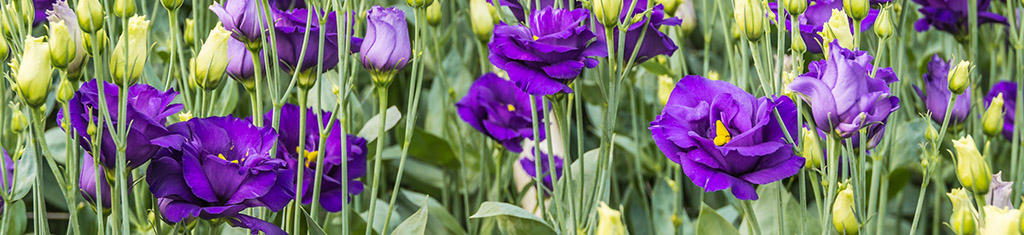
{"points": [[434, 13], [609, 221], [857, 9], [127, 67], [124, 8], [171, 5], [62, 45], [212, 59], [960, 77], [810, 148], [844, 219], [607, 12], [190, 35], [4, 48], [65, 91], [482, 20], [736, 31], [930, 133], [798, 44], [992, 120], [18, 121], [34, 71], [670, 5], [795, 7], [883, 24], [962, 220], [90, 15], [418, 3], [1001, 221], [103, 40], [750, 17], [971, 169], [665, 86], [837, 28]]}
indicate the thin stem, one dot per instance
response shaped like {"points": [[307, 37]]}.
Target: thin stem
{"points": [[750, 217], [297, 204], [538, 171], [382, 109]]}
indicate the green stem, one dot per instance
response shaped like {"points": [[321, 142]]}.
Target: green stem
{"points": [[297, 204], [382, 102], [38, 204], [538, 172], [750, 217]]}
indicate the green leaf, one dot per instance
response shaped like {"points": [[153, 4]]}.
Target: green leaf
{"points": [[431, 149], [56, 141], [17, 221], [666, 199], [311, 224], [658, 68], [25, 173], [513, 219], [439, 215], [227, 99], [415, 224], [709, 222], [380, 214], [370, 129]]}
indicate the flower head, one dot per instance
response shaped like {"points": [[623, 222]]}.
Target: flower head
{"points": [[724, 137], [242, 18], [240, 65], [87, 182], [549, 54], [62, 12], [844, 98], [33, 71], [528, 162], [962, 219], [387, 46], [1001, 220], [951, 16], [999, 192], [844, 216], [1009, 92], [816, 15], [972, 170], [291, 30], [937, 93], [333, 181], [500, 111], [147, 111], [212, 59], [223, 167], [654, 41], [130, 52]]}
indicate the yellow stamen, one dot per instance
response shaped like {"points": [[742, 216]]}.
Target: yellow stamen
{"points": [[511, 108], [310, 157], [535, 37], [221, 156], [722, 135]]}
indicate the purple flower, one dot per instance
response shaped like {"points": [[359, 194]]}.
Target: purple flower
{"points": [[223, 167], [549, 54], [937, 96], [655, 42], [240, 65], [242, 18], [520, 13], [999, 192], [87, 182], [1009, 90], [41, 7], [844, 98], [529, 166], [724, 137], [952, 15], [387, 46], [331, 188], [290, 29], [496, 108], [147, 111], [813, 21]]}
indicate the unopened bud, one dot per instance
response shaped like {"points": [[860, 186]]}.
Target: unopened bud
{"points": [[62, 45], [992, 120], [434, 13], [28, 11], [609, 221], [686, 13], [212, 60], [418, 3], [129, 55], [171, 5], [844, 219], [65, 91], [883, 25], [857, 9], [799, 46], [124, 8], [670, 5], [33, 72], [665, 86], [750, 17], [18, 121], [482, 20], [795, 7], [90, 15], [190, 36], [607, 12], [961, 221], [1001, 221], [103, 40], [4, 48], [930, 133], [971, 168], [811, 149], [960, 77]]}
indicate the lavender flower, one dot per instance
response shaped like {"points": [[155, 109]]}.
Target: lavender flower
{"points": [[813, 21], [520, 13], [87, 182], [291, 29], [999, 192], [331, 188], [242, 18], [549, 54], [1009, 91], [724, 137], [951, 16], [387, 46], [654, 41], [844, 98], [496, 108], [223, 167], [529, 165], [240, 66], [937, 96]]}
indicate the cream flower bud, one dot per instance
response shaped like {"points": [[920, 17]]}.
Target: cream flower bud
{"points": [[34, 71], [795, 7], [482, 20], [18, 121], [960, 77], [799, 46], [132, 41], [992, 120], [971, 168], [962, 220], [103, 40], [665, 86], [65, 91], [607, 12], [883, 24], [190, 35], [844, 219], [670, 5], [810, 148], [857, 9], [609, 221], [90, 15], [418, 3], [171, 5], [750, 17], [62, 45], [837, 28], [213, 58], [1001, 221], [124, 8], [434, 13]]}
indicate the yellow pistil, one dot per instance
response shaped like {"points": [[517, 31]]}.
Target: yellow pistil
{"points": [[535, 37], [511, 108], [310, 157], [722, 135], [221, 156]]}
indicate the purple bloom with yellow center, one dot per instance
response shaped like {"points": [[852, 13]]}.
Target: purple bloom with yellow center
{"points": [[291, 30], [845, 98], [1009, 91], [952, 16], [936, 95], [331, 195], [549, 54], [654, 41], [147, 111], [813, 21], [223, 167], [724, 137], [499, 110]]}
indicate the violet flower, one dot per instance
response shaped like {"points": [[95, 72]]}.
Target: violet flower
{"points": [[41, 7], [724, 137], [242, 18], [223, 167], [499, 110], [517, 9], [147, 111], [291, 29], [331, 186], [549, 54], [654, 41], [240, 66], [813, 21], [843, 96], [387, 47], [937, 93], [951, 16], [529, 166], [87, 182], [1009, 91]]}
